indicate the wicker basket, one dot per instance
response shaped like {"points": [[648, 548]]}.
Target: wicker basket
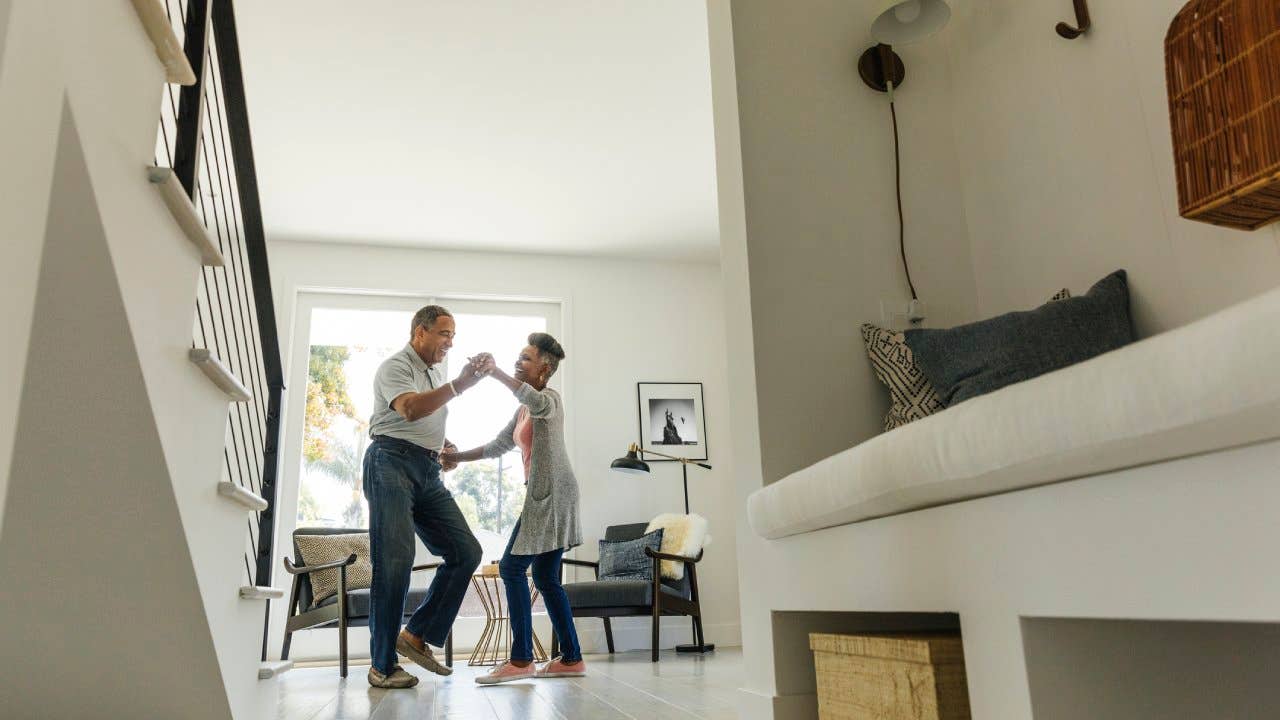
{"points": [[1222, 66], [890, 677]]}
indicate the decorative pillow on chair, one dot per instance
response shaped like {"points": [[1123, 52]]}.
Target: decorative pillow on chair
{"points": [[971, 360], [681, 535], [320, 549], [911, 396], [625, 559]]}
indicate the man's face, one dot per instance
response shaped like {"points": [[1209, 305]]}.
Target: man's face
{"points": [[433, 343]]}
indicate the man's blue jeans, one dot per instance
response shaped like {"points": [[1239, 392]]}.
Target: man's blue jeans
{"points": [[402, 484], [546, 577]]}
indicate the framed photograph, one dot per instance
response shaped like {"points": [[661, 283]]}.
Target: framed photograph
{"points": [[672, 420]]}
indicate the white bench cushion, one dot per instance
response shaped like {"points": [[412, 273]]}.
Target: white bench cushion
{"points": [[1209, 385]]}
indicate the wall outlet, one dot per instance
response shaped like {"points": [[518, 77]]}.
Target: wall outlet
{"points": [[897, 315]]}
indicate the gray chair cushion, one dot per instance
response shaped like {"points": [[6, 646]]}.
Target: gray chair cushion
{"points": [[626, 559], [613, 593], [358, 602], [631, 531], [971, 360]]}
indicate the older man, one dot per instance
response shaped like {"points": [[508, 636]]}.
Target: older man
{"points": [[402, 483]]}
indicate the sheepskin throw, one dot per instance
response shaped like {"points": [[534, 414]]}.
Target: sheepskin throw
{"points": [[681, 535]]}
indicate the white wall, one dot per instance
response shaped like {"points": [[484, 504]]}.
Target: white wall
{"points": [[30, 109], [817, 158], [1068, 165], [624, 322]]}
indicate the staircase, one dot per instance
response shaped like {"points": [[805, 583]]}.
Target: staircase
{"points": [[136, 506]]}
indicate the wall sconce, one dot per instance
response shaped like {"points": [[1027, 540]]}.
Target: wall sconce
{"points": [[897, 22]]}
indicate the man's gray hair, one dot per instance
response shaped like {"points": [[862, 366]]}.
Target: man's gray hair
{"points": [[426, 317]]}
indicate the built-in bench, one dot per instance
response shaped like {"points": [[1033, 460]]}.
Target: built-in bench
{"points": [[1210, 385]]}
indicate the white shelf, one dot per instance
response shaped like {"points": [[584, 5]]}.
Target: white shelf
{"points": [[260, 592], [268, 670], [249, 500], [220, 375], [175, 197], [166, 41]]}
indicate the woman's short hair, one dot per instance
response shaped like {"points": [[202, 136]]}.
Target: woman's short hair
{"points": [[549, 350]]}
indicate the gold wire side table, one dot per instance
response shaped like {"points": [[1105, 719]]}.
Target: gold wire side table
{"points": [[494, 645]]}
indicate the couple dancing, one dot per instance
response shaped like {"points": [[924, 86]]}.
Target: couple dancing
{"points": [[402, 483]]}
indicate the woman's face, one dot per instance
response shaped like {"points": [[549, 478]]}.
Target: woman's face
{"points": [[529, 366]]}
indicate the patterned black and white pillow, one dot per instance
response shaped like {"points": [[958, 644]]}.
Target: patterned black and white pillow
{"points": [[911, 397], [321, 549]]}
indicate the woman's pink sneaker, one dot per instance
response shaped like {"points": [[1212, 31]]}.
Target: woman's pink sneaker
{"points": [[557, 668], [506, 672]]}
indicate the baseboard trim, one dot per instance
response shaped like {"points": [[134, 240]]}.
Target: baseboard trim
{"points": [[754, 705]]}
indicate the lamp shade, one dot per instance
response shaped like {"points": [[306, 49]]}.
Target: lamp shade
{"points": [[897, 22], [631, 464]]}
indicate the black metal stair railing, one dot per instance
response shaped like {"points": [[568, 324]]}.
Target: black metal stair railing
{"points": [[204, 136]]}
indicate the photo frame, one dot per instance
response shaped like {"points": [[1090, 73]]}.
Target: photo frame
{"points": [[672, 419]]}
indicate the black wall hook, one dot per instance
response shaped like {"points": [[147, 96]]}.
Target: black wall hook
{"points": [[1082, 21]]}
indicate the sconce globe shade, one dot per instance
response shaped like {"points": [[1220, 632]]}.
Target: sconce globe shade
{"points": [[898, 22]]}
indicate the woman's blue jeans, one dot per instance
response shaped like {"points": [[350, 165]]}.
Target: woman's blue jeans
{"points": [[546, 577]]}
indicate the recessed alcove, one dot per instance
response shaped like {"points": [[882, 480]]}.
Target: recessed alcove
{"points": [[793, 660], [1139, 669]]}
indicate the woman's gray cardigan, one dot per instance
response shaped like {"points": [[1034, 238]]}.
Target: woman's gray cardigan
{"points": [[549, 520]]}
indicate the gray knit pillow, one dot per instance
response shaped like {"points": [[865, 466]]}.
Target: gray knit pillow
{"points": [[911, 397], [625, 559], [320, 549], [971, 360]]}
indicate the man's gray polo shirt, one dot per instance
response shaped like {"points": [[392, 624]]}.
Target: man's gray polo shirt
{"points": [[402, 373]]}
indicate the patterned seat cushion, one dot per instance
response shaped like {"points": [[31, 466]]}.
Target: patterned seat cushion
{"points": [[320, 549], [911, 396]]}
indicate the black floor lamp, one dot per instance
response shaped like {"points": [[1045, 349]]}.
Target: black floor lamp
{"points": [[633, 464]]}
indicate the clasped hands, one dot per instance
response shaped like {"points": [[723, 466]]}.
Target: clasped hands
{"points": [[481, 365]]}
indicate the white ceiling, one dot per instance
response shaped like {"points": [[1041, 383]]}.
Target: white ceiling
{"points": [[562, 126]]}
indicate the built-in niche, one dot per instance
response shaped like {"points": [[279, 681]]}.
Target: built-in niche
{"points": [[794, 676], [1140, 669]]}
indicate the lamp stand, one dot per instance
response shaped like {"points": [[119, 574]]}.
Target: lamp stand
{"points": [[696, 646]]}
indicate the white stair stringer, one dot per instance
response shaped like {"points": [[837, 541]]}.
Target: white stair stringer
{"points": [[164, 546]]}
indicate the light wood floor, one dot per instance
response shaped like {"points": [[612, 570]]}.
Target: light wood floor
{"points": [[625, 685]]}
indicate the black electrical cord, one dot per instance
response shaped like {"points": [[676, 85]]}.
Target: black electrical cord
{"points": [[897, 179]]}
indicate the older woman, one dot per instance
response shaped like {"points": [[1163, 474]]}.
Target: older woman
{"points": [[548, 523]]}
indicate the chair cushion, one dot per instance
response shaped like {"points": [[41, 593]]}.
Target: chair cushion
{"points": [[971, 360], [358, 601], [614, 593], [319, 549], [911, 397], [625, 559]]}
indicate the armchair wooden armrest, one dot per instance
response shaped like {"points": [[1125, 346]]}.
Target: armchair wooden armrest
{"points": [[666, 556], [580, 563], [305, 569], [427, 566]]}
